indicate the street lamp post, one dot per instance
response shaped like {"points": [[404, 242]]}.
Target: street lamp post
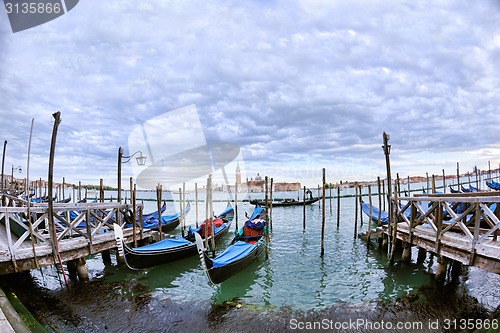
{"points": [[12, 177], [141, 160]]}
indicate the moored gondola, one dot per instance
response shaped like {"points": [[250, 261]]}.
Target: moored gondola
{"points": [[247, 245], [285, 203], [172, 248], [168, 222]]}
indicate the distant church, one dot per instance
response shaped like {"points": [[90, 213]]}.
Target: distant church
{"points": [[258, 184]]}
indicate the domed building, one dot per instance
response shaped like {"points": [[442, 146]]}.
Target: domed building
{"points": [[256, 185]]}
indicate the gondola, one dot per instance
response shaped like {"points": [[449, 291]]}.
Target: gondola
{"points": [[170, 249], [384, 216], [285, 203], [168, 222], [247, 245], [493, 185]]}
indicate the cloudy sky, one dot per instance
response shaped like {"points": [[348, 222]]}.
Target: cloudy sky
{"points": [[297, 85]]}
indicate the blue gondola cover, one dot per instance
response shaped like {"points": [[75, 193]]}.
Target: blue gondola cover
{"points": [[232, 253]]}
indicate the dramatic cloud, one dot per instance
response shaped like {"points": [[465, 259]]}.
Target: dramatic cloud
{"points": [[298, 85]]}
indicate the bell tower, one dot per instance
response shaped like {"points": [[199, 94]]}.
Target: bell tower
{"points": [[238, 173]]}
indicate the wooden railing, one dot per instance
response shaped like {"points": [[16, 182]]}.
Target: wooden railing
{"points": [[83, 222], [474, 216]]}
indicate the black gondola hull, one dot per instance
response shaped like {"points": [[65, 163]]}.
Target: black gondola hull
{"points": [[285, 203], [220, 274]]}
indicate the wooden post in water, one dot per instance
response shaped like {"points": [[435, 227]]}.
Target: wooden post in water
{"points": [[323, 215], [134, 212], [427, 181], [387, 151], [408, 185], [394, 227], [380, 199], [356, 187], [52, 228], [370, 218], [211, 219], [196, 201], [338, 205], [458, 176], [360, 204], [183, 215], [444, 182], [180, 211], [433, 184], [101, 190], [158, 206], [304, 211], [236, 203], [271, 205], [477, 180], [267, 220], [206, 211], [398, 185]]}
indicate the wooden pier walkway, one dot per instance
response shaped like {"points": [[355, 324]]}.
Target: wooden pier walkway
{"points": [[77, 230], [463, 227]]}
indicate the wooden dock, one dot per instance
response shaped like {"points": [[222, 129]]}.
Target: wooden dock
{"points": [[77, 230], [462, 227]]}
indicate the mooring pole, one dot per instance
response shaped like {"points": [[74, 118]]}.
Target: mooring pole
{"points": [[271, 204], [304, 211], [50, 180], [356, 202], [236, 204], [267, 220], [159, 193], [196, 202], [323, 215], [387, 151], [444, 182], [338, 204], [360, 204]]}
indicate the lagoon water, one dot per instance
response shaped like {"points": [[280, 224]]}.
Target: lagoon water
{"points": [[350, 282]]}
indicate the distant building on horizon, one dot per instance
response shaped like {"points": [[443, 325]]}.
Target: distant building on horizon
{"points": [[257, 184]]}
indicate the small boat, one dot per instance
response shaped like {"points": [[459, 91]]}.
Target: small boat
{"points": [[172, 248], [493, 185], [168, 222], [285, 202], [247, 245], [384, 216]]}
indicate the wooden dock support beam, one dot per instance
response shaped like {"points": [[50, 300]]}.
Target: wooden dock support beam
{"points": [[81, 269], [422, 254], [441, 269], [406, 256], [106, 257]]}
